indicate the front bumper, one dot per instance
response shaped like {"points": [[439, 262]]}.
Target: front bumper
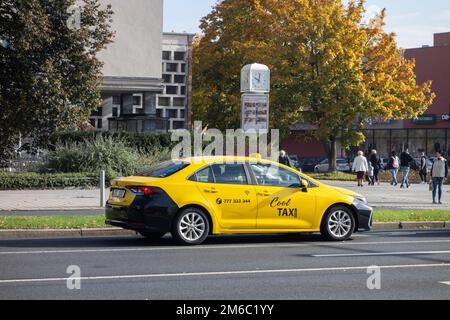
{"points": [[364, 214], [146, 214]]}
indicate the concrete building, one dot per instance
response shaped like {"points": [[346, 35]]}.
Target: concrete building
{"points": [[132, 68], [428, 133], [175, 102]]}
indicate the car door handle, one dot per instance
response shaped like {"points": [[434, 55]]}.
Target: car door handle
{"points": [[211, 191], [264, 194]]}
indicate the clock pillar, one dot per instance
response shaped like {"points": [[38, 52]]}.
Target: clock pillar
{"points": [[255, 89]]}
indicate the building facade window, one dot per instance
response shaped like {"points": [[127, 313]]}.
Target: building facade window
{"points": [[171, 90], [179, 55], [137, 101], [116, 100], [178, 78], [172, 67], [167, 55], [172, 113], [164, 101], [167, 78], [178, 125], [178, 102]]}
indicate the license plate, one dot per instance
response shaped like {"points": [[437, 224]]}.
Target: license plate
{"points": [[118, 193]]}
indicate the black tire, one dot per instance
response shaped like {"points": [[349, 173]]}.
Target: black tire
{"points": [[152, 235], [338, 224], [191, 234]]}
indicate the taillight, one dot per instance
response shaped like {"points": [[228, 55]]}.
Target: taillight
{"points": [[141, 190]]}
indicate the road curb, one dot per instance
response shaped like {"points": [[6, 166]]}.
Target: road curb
{"points": [[63, 233], [109, 232]]}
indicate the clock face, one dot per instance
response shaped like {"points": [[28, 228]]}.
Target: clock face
{"points": [[260, 81]]}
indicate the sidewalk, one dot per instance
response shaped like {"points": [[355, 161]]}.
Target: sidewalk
{"points": [[386, 196], [50, 200]]}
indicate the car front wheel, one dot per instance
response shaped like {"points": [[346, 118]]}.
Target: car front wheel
{"points": [[191, 227], [338, 224]]}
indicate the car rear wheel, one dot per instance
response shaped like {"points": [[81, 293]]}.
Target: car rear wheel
{"points": [[191, 227], [338, 224], [152, 235]]}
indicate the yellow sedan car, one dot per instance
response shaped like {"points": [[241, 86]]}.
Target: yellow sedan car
{"points": [[196, 197]]}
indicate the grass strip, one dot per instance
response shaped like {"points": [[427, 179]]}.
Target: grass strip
{"points": [[89, 222], [52, 222]]}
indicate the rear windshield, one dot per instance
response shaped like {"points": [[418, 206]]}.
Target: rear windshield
{"points": [[165, 169]]}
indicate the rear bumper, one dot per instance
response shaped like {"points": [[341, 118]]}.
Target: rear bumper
{"points": [[145, 214], [365, 216]]}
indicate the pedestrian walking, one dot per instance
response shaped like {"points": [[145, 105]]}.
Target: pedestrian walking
{"points": [[405, 164], [371, 174], [393, 166], [375, 160], [284, 158], [439, 173], [423, 172], [361, 167]]}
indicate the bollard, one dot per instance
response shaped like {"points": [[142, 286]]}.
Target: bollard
{"points": [[102, 189]]}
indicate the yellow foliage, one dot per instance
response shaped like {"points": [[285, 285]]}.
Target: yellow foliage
{"points": [[328, 67]]}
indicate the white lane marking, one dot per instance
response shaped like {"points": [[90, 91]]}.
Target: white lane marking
{"points": [[224, 273], [404, 253], [214, 247], [447, 283]]}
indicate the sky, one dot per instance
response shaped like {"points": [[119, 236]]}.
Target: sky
{"points": [[414, 21]]}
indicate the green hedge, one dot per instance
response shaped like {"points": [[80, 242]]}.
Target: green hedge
{"points": [[146, 142], [29, 180]]}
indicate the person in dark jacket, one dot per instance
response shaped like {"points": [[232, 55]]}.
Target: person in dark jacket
{"points": [[423, 168], [405, 164], [284, 159], [376, 164]]}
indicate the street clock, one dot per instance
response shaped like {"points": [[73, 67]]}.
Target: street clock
{"points": [[255, 78]]}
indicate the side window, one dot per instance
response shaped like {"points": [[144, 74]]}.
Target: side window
{"points": [[204, 176], [269, 175], [229, 173]]}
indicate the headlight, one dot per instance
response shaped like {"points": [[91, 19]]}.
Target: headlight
{"points": [[361, 200]]}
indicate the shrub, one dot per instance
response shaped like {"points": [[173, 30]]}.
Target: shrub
{"points": [[28, 180], [109, 154], [146, 142]]}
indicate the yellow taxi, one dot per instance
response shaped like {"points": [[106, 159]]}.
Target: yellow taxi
{"points": [[196, 197]]}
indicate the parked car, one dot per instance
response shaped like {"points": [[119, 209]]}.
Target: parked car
{"points": [[308, 164], [341, 165], [294, 160]]}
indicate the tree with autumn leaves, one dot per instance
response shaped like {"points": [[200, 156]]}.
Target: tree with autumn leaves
{"points": [[330, 68]]}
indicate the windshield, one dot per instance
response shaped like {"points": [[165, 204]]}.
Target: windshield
{"points": [[165, 169]]}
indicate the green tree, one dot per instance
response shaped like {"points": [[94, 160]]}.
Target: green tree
{"points": [[329, 67], [49, 73]]}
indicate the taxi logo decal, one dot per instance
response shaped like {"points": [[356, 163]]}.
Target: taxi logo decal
{"points": [[283, 208]]}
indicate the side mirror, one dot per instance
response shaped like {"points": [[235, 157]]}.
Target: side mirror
{"points": [[304, 185]]}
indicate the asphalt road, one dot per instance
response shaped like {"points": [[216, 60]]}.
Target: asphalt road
{"points": [[414, 265]]}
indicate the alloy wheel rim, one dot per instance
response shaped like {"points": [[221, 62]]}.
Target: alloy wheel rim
{"points": [[340, 224], [192, 226]]}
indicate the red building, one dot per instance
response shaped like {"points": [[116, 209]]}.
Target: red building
{"points": [[428, 133]]}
